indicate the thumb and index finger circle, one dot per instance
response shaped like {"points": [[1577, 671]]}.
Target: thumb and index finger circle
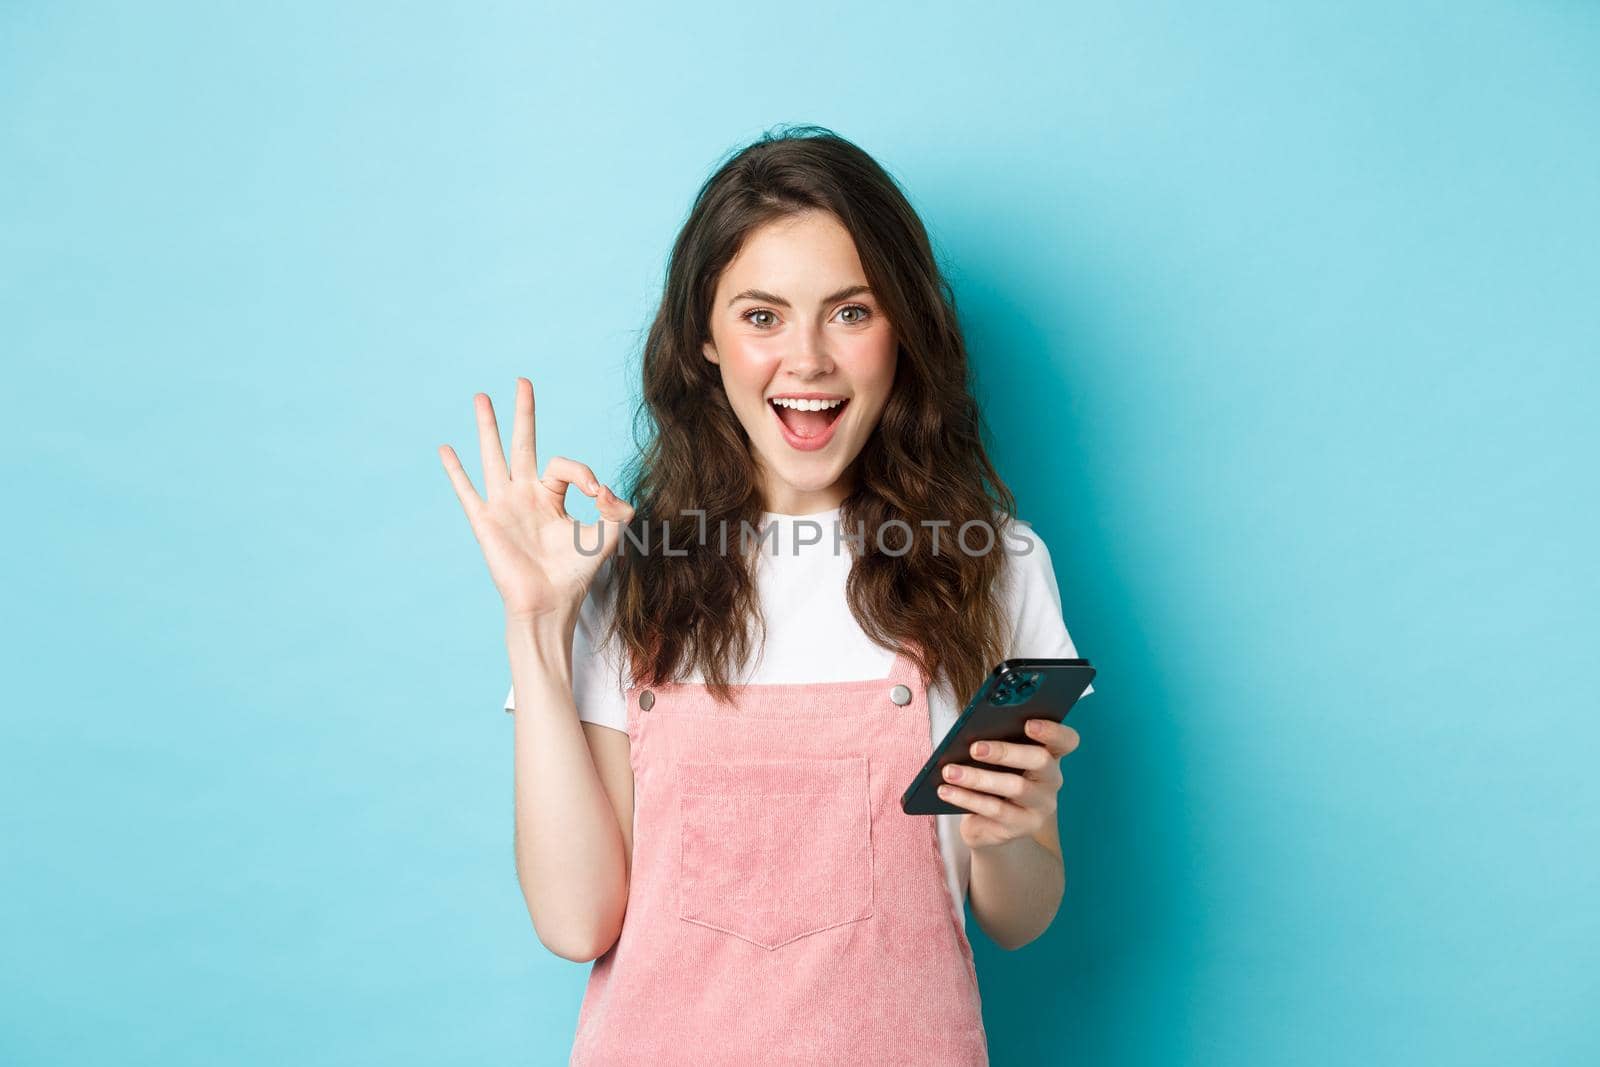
{"points": [[561, 472]]}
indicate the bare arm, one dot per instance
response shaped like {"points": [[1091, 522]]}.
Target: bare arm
{"points": [[1017, 887], [573, 804]]}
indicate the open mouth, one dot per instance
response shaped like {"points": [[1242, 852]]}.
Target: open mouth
{"points": [[807, 422]]}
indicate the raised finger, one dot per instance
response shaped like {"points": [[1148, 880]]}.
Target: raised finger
{"points": [[495, 476], [524, 455], [471, 502], [1059, 738], [1000, 783], [1011, 754]]}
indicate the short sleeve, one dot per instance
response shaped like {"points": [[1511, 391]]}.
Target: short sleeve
{"points": [[1034, 599], [596, 673]]}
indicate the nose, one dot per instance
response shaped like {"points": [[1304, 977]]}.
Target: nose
{"points": [[809, 358]]}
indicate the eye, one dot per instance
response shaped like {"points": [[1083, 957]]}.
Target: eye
{"points": [[758, 311], [865, 311]]}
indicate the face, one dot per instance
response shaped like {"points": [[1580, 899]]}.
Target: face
{"points": [[807, 357]]}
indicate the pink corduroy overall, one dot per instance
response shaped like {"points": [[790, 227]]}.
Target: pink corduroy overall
{"points": [[782, 908]]}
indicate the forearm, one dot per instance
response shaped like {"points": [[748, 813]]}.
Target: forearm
{"points": [[1016, 889], [569, 848]]}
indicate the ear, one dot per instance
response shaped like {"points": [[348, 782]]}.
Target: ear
{"points": [[709, 350]]}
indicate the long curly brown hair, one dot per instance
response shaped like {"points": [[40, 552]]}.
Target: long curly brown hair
{"points": [[924, 461]]}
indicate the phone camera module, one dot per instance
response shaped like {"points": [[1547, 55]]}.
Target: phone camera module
{"points": [[1014, 687]]}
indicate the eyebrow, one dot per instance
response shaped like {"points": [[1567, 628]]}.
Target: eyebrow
{"points": [[773, 298]]}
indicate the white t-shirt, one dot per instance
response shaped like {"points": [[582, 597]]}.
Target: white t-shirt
{"points": [[812, 636]]}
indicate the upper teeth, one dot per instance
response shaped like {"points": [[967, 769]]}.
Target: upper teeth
{"points": [[806, 405]]}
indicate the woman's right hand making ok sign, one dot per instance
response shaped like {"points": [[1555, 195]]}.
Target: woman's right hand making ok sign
{"points": [[541, 559]]}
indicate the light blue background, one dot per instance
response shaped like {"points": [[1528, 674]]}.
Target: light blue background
{"points": [[1286, 323]]}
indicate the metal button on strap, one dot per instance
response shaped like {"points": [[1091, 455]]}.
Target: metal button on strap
{"points": [[900, 695], [647, 700]]}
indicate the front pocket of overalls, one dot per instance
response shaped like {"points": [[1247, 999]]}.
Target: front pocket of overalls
{"points": [[776, 850]]}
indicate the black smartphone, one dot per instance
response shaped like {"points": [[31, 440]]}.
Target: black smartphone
{"points": [[1015, 691]]}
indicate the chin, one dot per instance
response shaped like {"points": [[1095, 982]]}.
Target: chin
{"points": [[807, 481], [805, 477]]}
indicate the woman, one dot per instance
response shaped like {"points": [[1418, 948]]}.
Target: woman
{"points": [[762, 648]]}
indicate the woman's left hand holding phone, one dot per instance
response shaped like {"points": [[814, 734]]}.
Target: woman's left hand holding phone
{"points": [[1004, 805]]}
